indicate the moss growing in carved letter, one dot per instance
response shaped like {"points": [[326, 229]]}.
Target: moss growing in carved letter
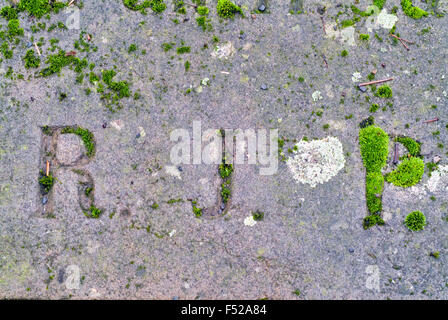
{"points": [[408, 173], [86, 136], [374, 144], [410, 144]]}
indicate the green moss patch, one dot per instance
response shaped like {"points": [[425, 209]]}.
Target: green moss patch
{"points": [[258, 215], [93, 212], [384, 92], [196, 210], [357, 11], [56, 62], [410, 144], [39, 8], [120, 89], [347, 23], [408, 173], [4, 48], [46, 182], [364, 37], [85, 135], [227, 9], [411, 11], [183, 49], [225, 191], [8, 13], [372, 220], [374, 144], [14, 29], [225, 170], [379, 3], [415, 221], [374, 182], [137, 5], [31, 61]]}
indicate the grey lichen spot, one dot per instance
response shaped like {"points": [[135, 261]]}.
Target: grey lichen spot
{"points": [[317, 161]]}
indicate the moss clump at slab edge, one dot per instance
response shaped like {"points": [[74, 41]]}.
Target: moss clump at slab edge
{"points": [[227, 9], [85, 135], [411, 11], [408, 173], [415, 221]]}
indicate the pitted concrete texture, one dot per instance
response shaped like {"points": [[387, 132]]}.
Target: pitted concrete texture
{"points": [[274, 70]]}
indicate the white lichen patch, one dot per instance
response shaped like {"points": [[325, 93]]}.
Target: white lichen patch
{"points": [[347, 36], [249, 221], [117, 124], [224, 52], [385, 20], [344, 36], [173, 171], [356, 77], [316, 96], [438, 180], [436, 184], [381, 20], [317, 161]]}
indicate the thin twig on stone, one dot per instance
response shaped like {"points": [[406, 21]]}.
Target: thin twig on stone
{"points": [[375, 82], [431, 120], [37, 48]]}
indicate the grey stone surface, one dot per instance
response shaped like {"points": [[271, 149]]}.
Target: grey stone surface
{"points": [[135, 250], [70, 149]]}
